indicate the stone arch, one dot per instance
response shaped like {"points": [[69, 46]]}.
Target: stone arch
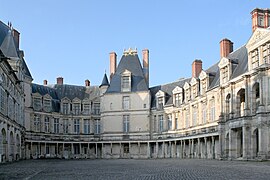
{"points": [[239, 143], [255, 142], [227, 105], [255, 97], [3, 144], [18, 147], [240, 102], [11, 145]]}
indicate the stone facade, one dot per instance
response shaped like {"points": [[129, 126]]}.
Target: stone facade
{"points": [[219, 113]]}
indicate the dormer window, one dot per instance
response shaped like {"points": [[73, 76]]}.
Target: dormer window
{"points": [[37, 103], [76, 108], [194, 88], [225, 74], [177, 96], [126, 81], [187, 92], [266, 53], [255, 58], [65, 109], [225, 66], [47, 105], [160, 95]]}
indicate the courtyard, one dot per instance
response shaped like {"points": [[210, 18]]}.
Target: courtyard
{"points": [[135, 169]]}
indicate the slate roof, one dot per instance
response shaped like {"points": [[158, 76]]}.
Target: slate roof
{"points": [[105, 81], [58, 92], [132, 64]]}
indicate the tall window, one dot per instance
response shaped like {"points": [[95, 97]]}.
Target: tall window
{"points": [[77, 126], [65, 108], [56, 125], [97, 126], [65, 126], [36, 123], [2, 101], [161, 127], [225, 74], [47, 105], [155, 123], [77, 108], [47, 124], [125, 123], [255, 58], [177, 99], [203, 86], [96, 108], [10, 107], [160, 103], [37, 103], [187, 119], [212, 109], [169, 122], [86, 126], [261, 21], [266, 53], [86, 108], [125, 83], [126, 102], [204, 115], [194, 122]]}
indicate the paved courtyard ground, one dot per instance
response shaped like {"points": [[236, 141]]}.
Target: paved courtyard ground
{"points": [[135, 169]]}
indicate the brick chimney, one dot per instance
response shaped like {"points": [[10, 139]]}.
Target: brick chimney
{"points": [[113, 60], [87, 83], [16, 36], [145, 54], [226, 47], [60, 81], [196, 67], [260, 18], [45, 82]]}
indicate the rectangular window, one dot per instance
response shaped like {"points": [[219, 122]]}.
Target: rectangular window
{"points": [[125, 123], [37, 104], [194, 123], [47, 149], [126, 102], [65, 108], [177, 99], [47, 105], [212, 110], [3, 101], [261, 21], [255, 58], [47, 124], [77, 108], [160, 117], [204, 116], [65, 126], [96, 109], [86, 108], [77, 126], [36, 123], [56, 125], [155, 124], [160, 103], [187, 120], [87, 126], [97, 126], [125, 83], [169, 122], [10, 107]]}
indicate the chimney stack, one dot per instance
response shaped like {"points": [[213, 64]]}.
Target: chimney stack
{"points": [[113, 59], [60, 81], [87, 83], [16, 36], [226, 47], [145, 54], [260, 18], [196, 68], [45, 82]]}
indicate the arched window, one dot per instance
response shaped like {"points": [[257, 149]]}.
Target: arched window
{"points": [[240, 102], [228, 106], [255, 97]]}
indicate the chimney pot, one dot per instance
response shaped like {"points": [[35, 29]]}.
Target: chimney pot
{"points": [[196, 67], [226, 47], [87, 83], [113, 61], [60, 81], [145, 54], [45, 82], [16, 36]]}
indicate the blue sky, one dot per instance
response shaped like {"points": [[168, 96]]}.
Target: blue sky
{"points": [[73, 39]]}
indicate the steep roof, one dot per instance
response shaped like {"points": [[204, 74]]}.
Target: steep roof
{"points": [[105, 81], [132, 64], [58, 92]]}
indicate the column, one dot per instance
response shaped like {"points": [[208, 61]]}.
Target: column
{"points": [[192, 148], [170, 149], [120, 150], [88, 150], [232, 145], [111, 150], [232, 101], [56, 150], [262, 132], [72, 150], [175, 149], [246, 142], [184, 149], [148, 150], [63, 150], [80, 146], [157, 149], [45, 147], [213, 147], [173, 120], [139, 147], [261, 105], [96, 151], [199, 148], [205, 147], [102, 150], [181, 149], [189, 148], [247, 110], [163, 148]]}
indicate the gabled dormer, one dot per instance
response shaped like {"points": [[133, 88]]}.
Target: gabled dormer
{"points": [[178, 96], [86, 104], [47, 103], [194, 87], [65, 105], [160, 99], [76, 106], [225, 70], [126, 81], [258, 48], [36, 101], [187, 91], [204, 82]]}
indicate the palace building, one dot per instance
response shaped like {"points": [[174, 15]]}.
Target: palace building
{"points": [[222, 112]]}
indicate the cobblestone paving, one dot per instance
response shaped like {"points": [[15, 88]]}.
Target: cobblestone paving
{"points": [[135, 169]]}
